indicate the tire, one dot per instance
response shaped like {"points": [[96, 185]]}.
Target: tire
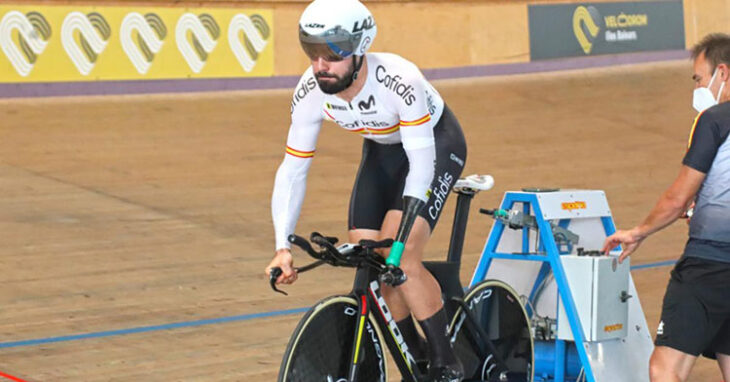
{"points": [[320, 348], [499, 311]]}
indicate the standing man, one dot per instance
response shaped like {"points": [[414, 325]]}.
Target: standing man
{"points": [[696, 312], [413, 152]]}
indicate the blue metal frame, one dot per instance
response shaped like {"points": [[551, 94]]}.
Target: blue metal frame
{"points": [[551, 261]]}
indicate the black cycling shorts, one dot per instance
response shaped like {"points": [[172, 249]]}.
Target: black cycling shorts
{"points": [[696, 312], [382, 176]]}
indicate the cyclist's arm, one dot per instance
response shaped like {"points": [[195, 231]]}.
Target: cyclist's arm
{"points": [[418, 142], [290, 182], [416, 129]]}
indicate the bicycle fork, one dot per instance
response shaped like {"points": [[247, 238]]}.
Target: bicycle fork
{"points": [[370, 299], [363, 328]]}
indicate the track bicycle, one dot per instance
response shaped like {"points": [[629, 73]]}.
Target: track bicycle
{"points": [[343, 338]]}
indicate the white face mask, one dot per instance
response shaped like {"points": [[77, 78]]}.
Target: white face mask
{"points": [[703, 98]]}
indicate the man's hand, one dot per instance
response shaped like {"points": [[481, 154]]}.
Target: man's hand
{"points": [[688, 214], [283, 260], [630, 240]]}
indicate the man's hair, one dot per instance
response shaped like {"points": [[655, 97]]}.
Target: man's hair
{"points": [[716, 47]]}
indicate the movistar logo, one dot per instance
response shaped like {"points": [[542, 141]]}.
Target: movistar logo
{"points": [[93, 34], [367, 105], [33, 32], [150, 32], [204, 32], [247, 38], [585, 26]]}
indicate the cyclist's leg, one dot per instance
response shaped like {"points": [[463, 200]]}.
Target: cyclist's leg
{"points": [[374, 185], [421, 287], [396, 303], [422, 295], [421, 291]]}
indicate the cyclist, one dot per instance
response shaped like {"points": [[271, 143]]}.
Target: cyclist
{"points": [[413, 152]]}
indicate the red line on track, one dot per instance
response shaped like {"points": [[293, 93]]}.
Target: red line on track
{"points": [[10, 377]]}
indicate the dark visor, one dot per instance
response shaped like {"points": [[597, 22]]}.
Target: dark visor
{"points": [[333, 45]]}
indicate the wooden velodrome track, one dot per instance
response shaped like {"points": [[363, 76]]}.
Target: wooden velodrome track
{"points": [[137, 212]]}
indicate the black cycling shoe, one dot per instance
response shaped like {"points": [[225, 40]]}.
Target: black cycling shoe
{"points": [[449, 373]]}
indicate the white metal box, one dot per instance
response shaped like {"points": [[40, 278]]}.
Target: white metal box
{"points": [[600, 288]]}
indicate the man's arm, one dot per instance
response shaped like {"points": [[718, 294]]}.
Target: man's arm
{"points": [[290, 182], [674, 201], [671, 206], [705, 139], [418, 142]]}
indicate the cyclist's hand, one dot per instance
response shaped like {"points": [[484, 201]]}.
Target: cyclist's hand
{"points": [[283, 259], [630, 240]]}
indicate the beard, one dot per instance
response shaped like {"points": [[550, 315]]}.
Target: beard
{"points": [[337, 86]]}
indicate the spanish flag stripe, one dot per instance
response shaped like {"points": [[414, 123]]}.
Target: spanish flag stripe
{"points": [[382, 132], [385, 128], [692, 132], [417, 122], [328, 114], [299, 154]]}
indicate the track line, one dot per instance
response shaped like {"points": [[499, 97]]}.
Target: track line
{"points": [[10, 377], [196, 323]]}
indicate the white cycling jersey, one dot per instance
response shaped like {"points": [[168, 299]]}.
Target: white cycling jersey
{"points": [[396, 105]]}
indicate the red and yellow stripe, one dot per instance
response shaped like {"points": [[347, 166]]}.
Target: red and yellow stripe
{"points": [[692, 132], [417, 122], [383, 131], [329, 115], [299, 154]]}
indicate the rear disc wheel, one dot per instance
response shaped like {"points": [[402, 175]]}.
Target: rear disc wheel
{"points": [[498, 310]]}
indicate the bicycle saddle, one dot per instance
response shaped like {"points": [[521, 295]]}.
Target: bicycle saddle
{"points": [[475, 182]]}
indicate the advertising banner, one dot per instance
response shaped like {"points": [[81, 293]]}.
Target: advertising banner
{"points": [[42, 43], [587, 29]]}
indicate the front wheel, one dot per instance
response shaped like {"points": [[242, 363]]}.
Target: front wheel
{"points": [[497, 309], [321, 346]]}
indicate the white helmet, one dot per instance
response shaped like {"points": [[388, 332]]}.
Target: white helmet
{"points": [[336, 29]]}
